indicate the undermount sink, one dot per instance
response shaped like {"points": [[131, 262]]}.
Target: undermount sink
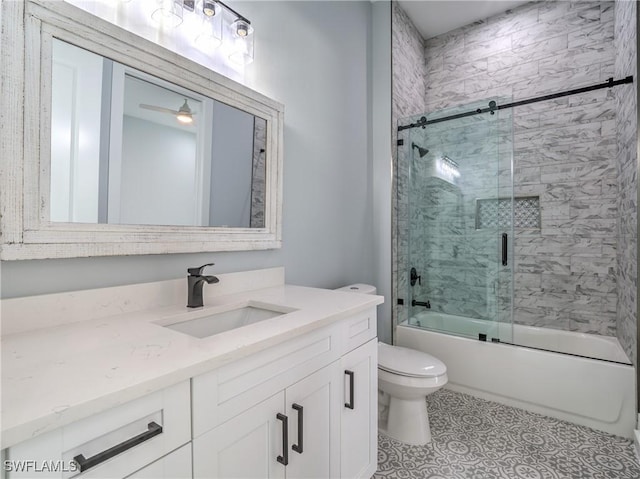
{"points": [[205, 325]]}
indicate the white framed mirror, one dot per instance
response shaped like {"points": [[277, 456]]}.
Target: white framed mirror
{"points": [[128, 148]]}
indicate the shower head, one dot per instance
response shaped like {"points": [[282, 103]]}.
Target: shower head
{"points": [[421, 151]]}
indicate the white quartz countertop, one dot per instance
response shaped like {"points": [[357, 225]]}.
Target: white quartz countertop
{"points": [[60, 374]]}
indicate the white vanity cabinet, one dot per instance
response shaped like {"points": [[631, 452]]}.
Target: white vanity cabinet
{"points": [[291, 434], [112, 444], [305, 408], [245, 446], [359, 420], [176, 465], [302, 407]]}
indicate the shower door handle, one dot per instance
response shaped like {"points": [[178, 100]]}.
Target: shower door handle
{"points": [[504, 249]]}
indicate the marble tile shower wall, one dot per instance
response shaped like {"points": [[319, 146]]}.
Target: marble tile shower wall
{"points": [[258, 173], [408, 99], [627, 127], [563, 152]]}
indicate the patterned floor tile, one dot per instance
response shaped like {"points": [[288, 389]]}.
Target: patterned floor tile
{"points": [[478, 439]]}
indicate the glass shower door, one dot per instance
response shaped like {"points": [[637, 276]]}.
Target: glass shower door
{"points": [[454, 217]]}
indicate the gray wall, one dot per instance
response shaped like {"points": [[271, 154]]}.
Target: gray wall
{"points": [[565, 271], [380, 146], [157, 174], [313, 57], [627, 170], [232, 160]]}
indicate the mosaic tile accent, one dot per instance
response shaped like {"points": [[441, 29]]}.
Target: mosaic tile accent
{"points": [[496, 212], [477, 439]]}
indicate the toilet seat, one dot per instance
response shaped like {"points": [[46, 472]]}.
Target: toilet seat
{"points": [[409, 362]]}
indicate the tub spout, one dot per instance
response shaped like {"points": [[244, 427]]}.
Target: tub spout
{"points": [[426, 304]]}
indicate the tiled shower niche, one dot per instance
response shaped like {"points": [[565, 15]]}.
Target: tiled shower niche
{"points": [[496, 212]]}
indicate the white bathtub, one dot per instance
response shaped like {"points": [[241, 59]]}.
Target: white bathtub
{"points": [[580, 344], [599, 393]]}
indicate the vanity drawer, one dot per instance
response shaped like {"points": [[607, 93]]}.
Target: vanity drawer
{"points": [[113, 443], [359, 329], [176, 465], [224, 393]]}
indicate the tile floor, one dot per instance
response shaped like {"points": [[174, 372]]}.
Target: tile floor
{"points": [[478, 439]]}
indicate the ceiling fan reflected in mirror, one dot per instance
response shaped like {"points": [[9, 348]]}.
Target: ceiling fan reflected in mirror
{"points": [[183, 114]]}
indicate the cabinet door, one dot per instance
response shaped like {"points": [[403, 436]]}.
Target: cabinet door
{"points": [[246, 446], [313, 408], [359, 418]]}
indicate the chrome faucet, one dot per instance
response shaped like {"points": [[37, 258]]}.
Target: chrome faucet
{"points": [[195, 282]]}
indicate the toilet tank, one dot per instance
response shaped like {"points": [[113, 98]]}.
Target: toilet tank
{"points": [[359, 288]]}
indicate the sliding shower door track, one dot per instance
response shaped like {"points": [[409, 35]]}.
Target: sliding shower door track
{"points": [[493, 106]]}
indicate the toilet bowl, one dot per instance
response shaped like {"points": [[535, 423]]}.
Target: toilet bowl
{"points": [[408, 376], [405, 377]]}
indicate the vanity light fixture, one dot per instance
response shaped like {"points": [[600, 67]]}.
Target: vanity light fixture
{"points": [[243, 29], [448, 169], [210, 24], [241, 38], [168, 12], [209, 8], [238, 32]]}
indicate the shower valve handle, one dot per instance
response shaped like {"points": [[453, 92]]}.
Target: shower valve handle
{"points": [[414, 277]]}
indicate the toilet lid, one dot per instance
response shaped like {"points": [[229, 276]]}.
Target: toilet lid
{"points": [[409, 362]]}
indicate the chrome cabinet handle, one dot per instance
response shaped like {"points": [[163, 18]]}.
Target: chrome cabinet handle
{"points": [[351, 375], [299, 447], [84, 464], [284, 459]]}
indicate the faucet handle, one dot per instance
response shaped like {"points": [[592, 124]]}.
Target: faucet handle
{"points": [[198, 271]]}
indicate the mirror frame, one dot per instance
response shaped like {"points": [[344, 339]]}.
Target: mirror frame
{"points": [[25, 106]]}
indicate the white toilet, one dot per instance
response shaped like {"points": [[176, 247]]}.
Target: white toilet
{"points": [[408, 376], [405, 378]]}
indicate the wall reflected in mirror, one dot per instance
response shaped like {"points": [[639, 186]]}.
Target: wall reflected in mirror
{"points": [[130, 148]]}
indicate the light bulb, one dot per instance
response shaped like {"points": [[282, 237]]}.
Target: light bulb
{"points": [[209, 8], [185, 118], [241, 36], [242, 29]]}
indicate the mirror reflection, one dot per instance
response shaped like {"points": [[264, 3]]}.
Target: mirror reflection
{"points": [[130, 148]]}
